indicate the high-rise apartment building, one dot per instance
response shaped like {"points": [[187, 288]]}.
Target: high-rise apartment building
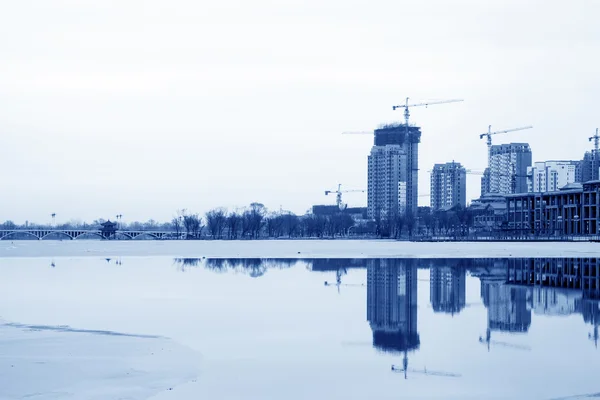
{"points": [[448, 185], [485, 182], [550, 176], [508, 168], [393, 171], [590, 166]]}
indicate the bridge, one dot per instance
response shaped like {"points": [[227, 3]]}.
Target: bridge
{"points": [[72, 234]]}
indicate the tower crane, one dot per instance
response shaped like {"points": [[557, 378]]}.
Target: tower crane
{"points": [[338, 195], [406, 106], [404, 369], [489, 134], [596, 139], [412, 180]]}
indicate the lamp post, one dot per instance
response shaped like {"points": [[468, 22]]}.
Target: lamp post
{"points": [[53, 220], [576, 218]]}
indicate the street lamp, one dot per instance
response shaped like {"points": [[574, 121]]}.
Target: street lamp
{"points": [[53, 220], [576, 218]]}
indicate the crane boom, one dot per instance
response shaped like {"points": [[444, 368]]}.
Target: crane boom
{"points": [[338, 193], [406, 106], [489, 133]]}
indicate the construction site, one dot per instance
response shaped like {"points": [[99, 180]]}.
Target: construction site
{"points": [[392, 189]]}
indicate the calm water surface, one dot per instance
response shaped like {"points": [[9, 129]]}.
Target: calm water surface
{"points": [[298, 329]]}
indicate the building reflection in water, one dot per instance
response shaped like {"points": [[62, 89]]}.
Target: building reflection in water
{"points": [[511, 289], [447, 288], [392, 305], [561, 286]]}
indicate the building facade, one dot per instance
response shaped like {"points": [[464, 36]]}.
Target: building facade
{"points": [[485, 182], [573, 210], [489, 212], [448, 186], [508, 168], [393, 171], [590, 166], [550, 176]]}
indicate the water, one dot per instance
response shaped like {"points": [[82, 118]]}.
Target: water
{"points": [[272, 329]]}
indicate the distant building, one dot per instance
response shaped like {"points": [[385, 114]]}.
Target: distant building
{"points": [[508, 168], [327, 209], [550, 176], [447, 289], [590, 166], [393, 171], [485, 182], [392, 304], [489, 212], [108, 230], [448, 186]]}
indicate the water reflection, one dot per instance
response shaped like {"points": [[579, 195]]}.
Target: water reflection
{"points": [[255, 267], [447, 288], [510, 289]]}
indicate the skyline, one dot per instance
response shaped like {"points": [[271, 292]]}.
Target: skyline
{"points": [[151, 109]]}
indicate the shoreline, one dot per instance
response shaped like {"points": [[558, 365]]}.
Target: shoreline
{"points": [[338, 248]]}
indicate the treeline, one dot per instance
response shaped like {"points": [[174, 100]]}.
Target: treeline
{"points": [[256, 222]]}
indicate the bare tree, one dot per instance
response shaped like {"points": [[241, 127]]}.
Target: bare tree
{"points": [[192, 224], [233, 224], [177, 223], [215, 222], [254, 219], [291, 223], [274, 225], [411, 223], [398, 222]]}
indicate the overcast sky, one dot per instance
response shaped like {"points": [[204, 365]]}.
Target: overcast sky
{"points": [[142, 107]]}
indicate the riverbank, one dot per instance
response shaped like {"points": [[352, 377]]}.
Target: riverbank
{"points": [[295, 249]]}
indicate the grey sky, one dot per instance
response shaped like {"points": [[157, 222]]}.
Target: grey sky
{"points": [[143, 107]]}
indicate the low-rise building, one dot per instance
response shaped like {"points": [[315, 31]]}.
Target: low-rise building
{"points": [[489, 212], [573, 210]]}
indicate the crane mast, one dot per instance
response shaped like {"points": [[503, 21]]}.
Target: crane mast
{"points": [[413, 165], [596, 139]]}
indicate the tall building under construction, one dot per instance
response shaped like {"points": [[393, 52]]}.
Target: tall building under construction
{"points": [[507, 173], [590, 166], [393, 171]]}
